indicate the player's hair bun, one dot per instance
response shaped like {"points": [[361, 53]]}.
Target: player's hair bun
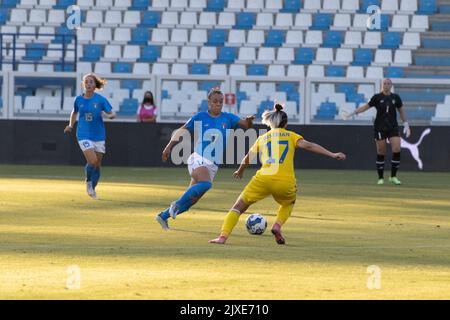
{"points": [[278, 107]]}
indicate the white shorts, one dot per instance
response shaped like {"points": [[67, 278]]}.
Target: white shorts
{"points": [[98, 146], [195, 161]]}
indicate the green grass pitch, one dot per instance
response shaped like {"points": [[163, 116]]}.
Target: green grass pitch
{"points": [[342, 223]]}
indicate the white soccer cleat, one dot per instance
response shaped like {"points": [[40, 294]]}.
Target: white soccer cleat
{"points": [[173, 210], [90, 190], [164, 224]]}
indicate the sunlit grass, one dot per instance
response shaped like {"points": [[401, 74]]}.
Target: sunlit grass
{"points": [[342, 223]]}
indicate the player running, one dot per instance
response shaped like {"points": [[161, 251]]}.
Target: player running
{"points": [[276, 176], [91, 131], [203, 163], [386, 127]]}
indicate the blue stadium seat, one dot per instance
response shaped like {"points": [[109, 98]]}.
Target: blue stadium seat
{"points": [[347, 88], [444, 9], [151, 19], [140, 36], [240, 96], [129, 107], [245, 20], [4, 16], [432, 61], [140, 5], [208, 85], [357, 98], [333, 39], [150, 54], [327, 111], [64, 35], [257, 70], [427, 7], [215, 5], [226, 55], [217, 37], [391, 40], [304, 56], [274, 38], [394, 72], [61, 4], [436, 43], [287, 87], [164, 94], [199, 68], [420, 113], [122, 67], [68, 67], [92, 52], [385, 22], [130, 84], [440, 26], [367, 3], [335, 71], [263, 106], [294, 96], [9, 3], [363, 57], [322, 21], [34, 51], [292, 6], [203, 106]]}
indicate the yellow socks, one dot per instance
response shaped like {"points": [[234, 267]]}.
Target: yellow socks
{"points": [[284, 212], [230, 222]]}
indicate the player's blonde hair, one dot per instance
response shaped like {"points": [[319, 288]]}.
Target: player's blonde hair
{"points": [[99, 82], [275, 118]]}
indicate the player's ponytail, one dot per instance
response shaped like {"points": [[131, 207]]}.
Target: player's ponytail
{"points": [[275, 118]]}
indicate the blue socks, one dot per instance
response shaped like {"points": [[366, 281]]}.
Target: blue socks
{"points": [[92, 174], [188, 199], [95, 176], [89, 170], [165, 214]]}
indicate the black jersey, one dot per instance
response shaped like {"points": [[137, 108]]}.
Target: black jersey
{"points": [[386, 106]]}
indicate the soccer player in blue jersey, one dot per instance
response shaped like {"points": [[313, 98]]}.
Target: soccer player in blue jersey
{"points": [[90, 106], [203, 163]]}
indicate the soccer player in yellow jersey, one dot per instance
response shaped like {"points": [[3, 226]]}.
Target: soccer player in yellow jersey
{"points": [[276, 176]]}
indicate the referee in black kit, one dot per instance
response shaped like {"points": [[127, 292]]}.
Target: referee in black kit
{"points": [[386, 127]]}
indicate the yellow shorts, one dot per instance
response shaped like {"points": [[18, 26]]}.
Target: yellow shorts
{"points": [[283, 191]]}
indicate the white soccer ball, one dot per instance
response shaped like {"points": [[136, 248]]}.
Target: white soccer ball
{"points": [[256, 224]]}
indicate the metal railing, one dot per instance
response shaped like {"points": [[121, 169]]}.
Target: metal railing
{"points": [[305, 87], [13, 41]]}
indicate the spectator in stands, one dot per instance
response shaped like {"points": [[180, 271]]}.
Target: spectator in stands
{"points": [[386, 127], [90, 106], [147, 110]]}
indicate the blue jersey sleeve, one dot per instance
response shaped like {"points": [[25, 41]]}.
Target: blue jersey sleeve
{"points": [[106, 105], [190, 123], [75, 105], [234, 120]]}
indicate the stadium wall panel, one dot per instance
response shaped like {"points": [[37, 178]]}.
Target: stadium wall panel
{"points": [[140, 144]]}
